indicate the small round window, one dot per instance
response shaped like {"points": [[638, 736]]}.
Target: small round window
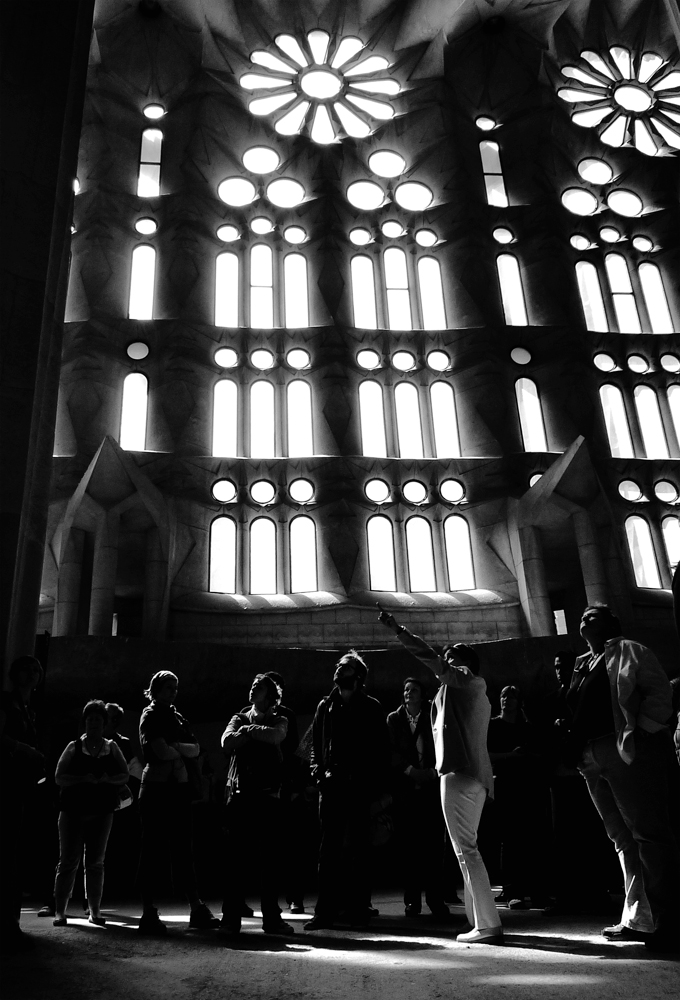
{"points": [[138, 351], [224, 491], [452, 491], [262, 359], [605, 362], [414, 491], [301, 491], [439, 361], [368, 359], [377, 490], [297, 358], [226, 357], [262, 491], [404, 361], [666, 492], [630, 490]]}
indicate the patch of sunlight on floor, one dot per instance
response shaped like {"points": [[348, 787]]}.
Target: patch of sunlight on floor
{"points": [[540, 979]]}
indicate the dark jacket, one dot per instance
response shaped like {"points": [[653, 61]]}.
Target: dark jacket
{"points": [[350, 742], [404, 742]]}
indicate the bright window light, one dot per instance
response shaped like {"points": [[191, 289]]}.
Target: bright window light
{"points": [[439, 361], [363, 293], [447, 444], [512, 292], [414, 491], [368, 359], [262, 556], [520, 355], [300, 436], [226, 289], [301, 491], [452, 491], [674, 405], [622, 293], [261, 225], [431, 294], [377, 491], [303, 573], [420, 555], [642, 553], [595, 171], [366, 195], [263, 492], [133, 412], [223, 556], [261, 288], [142, 278], [381, 570], [655, 298], [262, 359], [297, 358], [625, 203], [409, 430], [295, 290], [295, 234], [228, 234], [225, 410], [261, 159], [458, 553], [149, 179], [616, 422], [146, 226], [605, 362], [398, 298], [425, 237], [649, 417], [224, 491], [372, 420], [670, 527], [591, 297], [360, 237], [154, 111], [666, 492], [413, 196], [638, 364], [403, 361], [237, 191], [386, 163], [493, 174], [578, 201], [285, 192], [138, 350], [530, 415], [262, 420]]}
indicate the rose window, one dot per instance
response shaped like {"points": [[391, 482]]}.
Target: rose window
{"points": [[333, 89], [631, 100]]}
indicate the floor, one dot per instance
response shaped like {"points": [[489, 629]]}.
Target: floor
{"points": [[399, 959]]}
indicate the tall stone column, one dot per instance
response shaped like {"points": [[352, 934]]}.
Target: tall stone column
{"points": [[154, 614], [68, 586], [104, 575], [590, 557]]}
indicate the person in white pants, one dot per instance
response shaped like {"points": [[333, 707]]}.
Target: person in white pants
{"points": [[460, 719]]}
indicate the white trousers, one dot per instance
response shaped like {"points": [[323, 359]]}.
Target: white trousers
{"points": [[462, 803]]}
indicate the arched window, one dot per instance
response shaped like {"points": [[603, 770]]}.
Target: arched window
{"points": [[649, 417], [458, 553], [363, 293], [296, 291], [262, 441], [493, 174], [670, 527], [616, 422], [447, 444], [396, 283], [142, 278], [372, 417], [420, 555], [622, 293], [530, 415], [225, 400], [381, 570], [300, 436], [223, 556], [261, 287], [409, 430], [642, 552], [431, 294], [673, 393], [655, 298], [262, 556], [133, 412], [512, 292], [303, 573], [226, 290], [591, 297], [149, 178]]}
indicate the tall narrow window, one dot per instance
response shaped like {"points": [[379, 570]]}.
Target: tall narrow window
{"points": [[133, 412], [458, 553], [142, 279], [591, 297], [381, 570], [420, 555], [649, 417], [396, 283], [493, 174], [262, 556], [303, 574], [670, 526], [512, 292], [300, 436], [262, 442], [447, 444], [372, 420], [622, 293], [223, 556], [673, 394], [296, 291], [409, 430], [530, 415], [226, 290], [149, 179], [616, 422], [655, 298], [641, 551], [261, 287], [363, 293], [224, 419], [431, 294]]}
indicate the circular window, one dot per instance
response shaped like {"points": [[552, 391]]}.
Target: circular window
{"points": [[414, 491], [386, 163], [670, 363], [285, 192], [438, 360], [630, 490], [609, 234], [638, 364], [262, 359], [377, 490], [261, 225], [452, 491], [485, 123], [578, 201], [228, 234], [262, 491], [138, 351], [425, 237], [365, 195], [625, 202], [321, 84], [224, 491], [301, 490], [261, 159], [605, 362], [666, 492], [502, 235], [643, 244], [520, 356], [392, 229], [226, 357], [297, 358], [154, 111], [294, 234], [237, 191], [146, 226], [535, 478], [403, 361], [368, 359], [595, 171], [580, 242], [633, 98], [413, 196], [360, 237]]}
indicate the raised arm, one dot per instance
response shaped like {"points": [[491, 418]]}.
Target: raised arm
{"points": [[415, 645]]}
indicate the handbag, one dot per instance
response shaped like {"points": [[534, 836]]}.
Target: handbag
{"points": [[125, 798]]}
